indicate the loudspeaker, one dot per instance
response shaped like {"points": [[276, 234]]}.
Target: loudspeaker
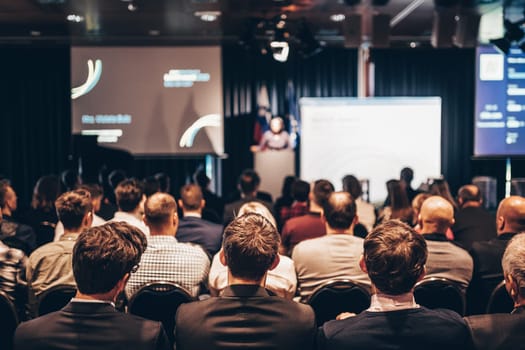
{"points": [[352, 30], [467, 29], [381, 30], [443, 28]]}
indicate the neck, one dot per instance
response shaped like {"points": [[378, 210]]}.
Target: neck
{"points": [[237, 280], [428, 229], [162, 231], [136, 213], [337, 231], [471, 204], [73, 231], [249, 195], [315, 208], [109, 297], [197, 213]]}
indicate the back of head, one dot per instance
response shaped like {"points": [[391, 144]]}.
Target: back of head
{"points": [[469, 193], [104, 254], [395, 257], [512, 211], [397, 194], [286, 189], [191, 197], [249, 181], [128, 195], [300, 190], [440, 188], [72, 207], [46, 191], [436, 215], [159, 209], [250, 244], [69, 179], [418, 200], [115, 177], [352, 185], [257, 208], [339, 210], [406, 175], [321, 191], [201, 178], [164, 182], [513, 261], [151, 185], [95, 190]]}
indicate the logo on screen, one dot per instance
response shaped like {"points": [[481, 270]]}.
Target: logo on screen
{"points": [[491, 67]]}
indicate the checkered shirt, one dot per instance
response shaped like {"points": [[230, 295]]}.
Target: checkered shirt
{"points": [[12, 269], [165, 259]]}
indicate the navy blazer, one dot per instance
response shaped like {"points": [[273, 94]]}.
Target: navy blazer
{"points": [[199, 231]]}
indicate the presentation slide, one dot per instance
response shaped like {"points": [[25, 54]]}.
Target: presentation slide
{"points": [[500, 103], [372, 138], [150, 101]]}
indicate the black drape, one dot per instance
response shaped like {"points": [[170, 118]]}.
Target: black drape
{"points": [[35, 113], [332, 73], [448, 73]]}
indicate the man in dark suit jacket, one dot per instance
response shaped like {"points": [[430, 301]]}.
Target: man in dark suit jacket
{"points": [[505, 331], [245, 316], [394, 258], [103, 258], [192, 228], [487, 255]]}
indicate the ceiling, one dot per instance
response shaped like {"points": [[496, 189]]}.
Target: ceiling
{"points": [[377, 22]]}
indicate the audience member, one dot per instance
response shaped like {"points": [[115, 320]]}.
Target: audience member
{"points": [[95, 191], [130, 201], [335, 255], [194, 229], [310, 225], [405, 177], [445, 259], [510, 219], [284, 202], [365, 211], [299, 205], [164, 182], [249, 182], [439, 187], [394, 259], [70, 179], [103, 259], [165, 259], [505, 331], [473, 222], [281, 280], [214, 205], [13, 233], [399, 207], [260, 195], [245, 316], [417, 202], [151, 185], [50, 265]]}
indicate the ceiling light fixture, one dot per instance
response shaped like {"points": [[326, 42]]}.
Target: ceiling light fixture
{"points": [[75, 18], [132, 7], [208, 16], [337, 17]]}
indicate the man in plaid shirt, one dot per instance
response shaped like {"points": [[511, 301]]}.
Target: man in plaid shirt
{"points": [[165, 259]]}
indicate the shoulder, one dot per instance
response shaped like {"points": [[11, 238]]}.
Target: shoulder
{"points": [[308, 245]]}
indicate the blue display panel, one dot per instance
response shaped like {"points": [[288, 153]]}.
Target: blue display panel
{"points": [[500, 103]]}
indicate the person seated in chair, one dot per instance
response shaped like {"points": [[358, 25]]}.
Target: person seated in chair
{"points": [[394, 258], [103, 259]]}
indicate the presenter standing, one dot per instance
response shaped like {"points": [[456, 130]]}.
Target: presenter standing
{"points": [[276, 138]]}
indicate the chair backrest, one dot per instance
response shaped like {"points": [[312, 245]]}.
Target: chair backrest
{"points": [[55, 298], [440, 293], [8, 321], [159, 301], [337, 296], [500, 300]]}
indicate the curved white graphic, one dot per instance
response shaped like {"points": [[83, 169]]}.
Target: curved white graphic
{"points": [[209, 120], [94, 73]]}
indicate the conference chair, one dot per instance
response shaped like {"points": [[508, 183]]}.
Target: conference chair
{"points": [[500, 300], [337, 296], [55, 298], [8, 321], [159, 301], [440, 293]]}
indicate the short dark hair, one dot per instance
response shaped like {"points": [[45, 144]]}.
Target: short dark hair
{"points": [[128, 194], [164, 181], [72, 207], [352, 185], [339, 210], [395, 257], [151, 185], [469, 193], [191, 196], [102, 255], [94, 189], [300, 190], [201, 178], [321, 191], [249, 181], [250, 245], [159, 208], [407, 175]]}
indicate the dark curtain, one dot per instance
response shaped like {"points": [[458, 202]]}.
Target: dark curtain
{"points": [[448, 73], [332, 73], [35, 114]]}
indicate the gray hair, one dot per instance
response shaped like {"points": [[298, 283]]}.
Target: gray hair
{"points": [[513, 261]]}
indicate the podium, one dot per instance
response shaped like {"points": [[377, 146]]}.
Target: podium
{"points": [[273, 167]]}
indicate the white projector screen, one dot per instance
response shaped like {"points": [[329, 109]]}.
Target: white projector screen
{"points": [[371, 138]]}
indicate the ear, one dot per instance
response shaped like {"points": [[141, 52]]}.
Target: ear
{"points": [[175, 220], [452, 221], [500, 223], [203, 203], [179, 203], [362, 264], [419, 221], [423, 274], [145, 219], [88, 219], [511, 286], [222, 257], [275, 262], [356, 220]]}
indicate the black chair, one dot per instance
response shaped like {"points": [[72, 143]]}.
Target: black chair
{"points": [[8, 321], [55, 298], [500, 300], [440, 293], [159, 301], [337, 296]]}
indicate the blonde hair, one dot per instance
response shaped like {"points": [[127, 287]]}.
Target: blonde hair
{"points": [[257, 208]]}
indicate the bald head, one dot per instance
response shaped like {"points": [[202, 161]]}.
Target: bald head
{"points": [[160, 214], [436, 215], [339, 211], [469, 195], [511, 215]]}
